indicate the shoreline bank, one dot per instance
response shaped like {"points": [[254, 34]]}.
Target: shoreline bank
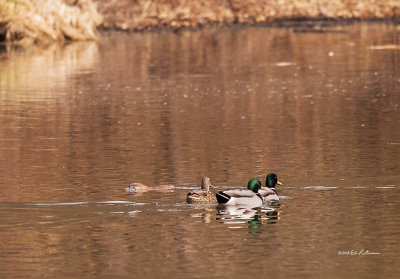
{"points": [[151, 14]]}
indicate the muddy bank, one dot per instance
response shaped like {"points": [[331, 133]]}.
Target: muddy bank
{"points": [[149, 14]]}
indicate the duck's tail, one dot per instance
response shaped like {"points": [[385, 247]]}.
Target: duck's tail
{"points": [[222, 197]]}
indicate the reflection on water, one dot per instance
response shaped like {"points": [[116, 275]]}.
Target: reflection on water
{"points": [[236, 216], [118, 238], [81, 122]]}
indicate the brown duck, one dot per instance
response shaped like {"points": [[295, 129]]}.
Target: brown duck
{"points": [[139, 187], [204, 195]]}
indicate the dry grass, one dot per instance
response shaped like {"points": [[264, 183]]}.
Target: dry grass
{"points": [[147, 14], [41, 20]]}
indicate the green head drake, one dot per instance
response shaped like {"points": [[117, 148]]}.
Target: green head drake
{"points": [[254, 185], [272, 180]]}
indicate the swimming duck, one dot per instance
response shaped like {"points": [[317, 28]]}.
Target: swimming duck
{"points": [[243, 197], [204, 195], [139, 187], [270, 194]]}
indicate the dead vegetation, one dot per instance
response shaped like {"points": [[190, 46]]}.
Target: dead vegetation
{"points": [[42, 20], [149, 14]]}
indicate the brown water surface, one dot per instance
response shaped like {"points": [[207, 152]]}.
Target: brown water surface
{"points": [[80, 122]]}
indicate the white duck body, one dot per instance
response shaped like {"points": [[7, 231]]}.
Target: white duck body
{"points": [[269, 195], [240, 197], [249, 197]]}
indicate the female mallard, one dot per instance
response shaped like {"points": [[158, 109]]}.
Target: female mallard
{"points": [[243, 197], [270, 194], [204, 195], [139, 187]]}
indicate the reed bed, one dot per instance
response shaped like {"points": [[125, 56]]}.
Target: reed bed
{"points": [[148, 14], [43, 20]]}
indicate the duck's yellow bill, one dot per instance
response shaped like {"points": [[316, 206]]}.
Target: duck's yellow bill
{"points": [[211, 186], [279, 183]]}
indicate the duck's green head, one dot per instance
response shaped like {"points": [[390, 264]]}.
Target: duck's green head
{"points": [[272, 180], [254, 185]]}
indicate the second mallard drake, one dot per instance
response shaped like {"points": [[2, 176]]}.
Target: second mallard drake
{"points": [[249, 197], [270, 194], [204, 195]]}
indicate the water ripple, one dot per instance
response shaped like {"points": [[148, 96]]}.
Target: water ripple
{"points": [[88, 203], [321, 187]]}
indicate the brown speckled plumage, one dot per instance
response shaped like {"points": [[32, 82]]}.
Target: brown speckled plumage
{"points": [[204, 195]]}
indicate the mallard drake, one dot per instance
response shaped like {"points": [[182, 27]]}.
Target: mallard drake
{"points": [[139, 187], [243, 197], [204, 195], [270, 194]]}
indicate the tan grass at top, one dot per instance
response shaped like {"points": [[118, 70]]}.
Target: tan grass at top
{"points": [[42, 20]]}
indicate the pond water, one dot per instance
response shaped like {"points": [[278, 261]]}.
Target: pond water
{"points": [[80, 122]]}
